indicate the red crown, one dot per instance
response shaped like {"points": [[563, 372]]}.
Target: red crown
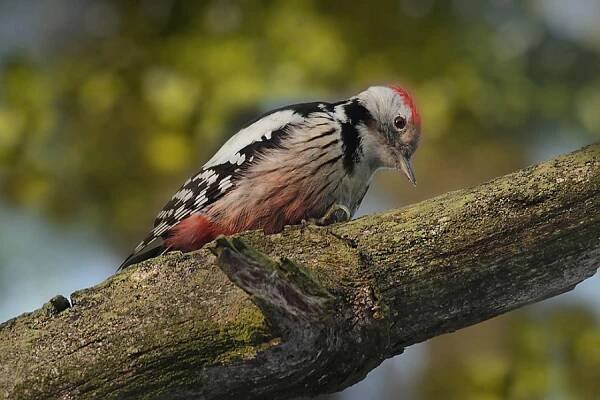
{"points": [[409, 102]]}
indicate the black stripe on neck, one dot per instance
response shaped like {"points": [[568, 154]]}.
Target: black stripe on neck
{"points": [[356, 114]]}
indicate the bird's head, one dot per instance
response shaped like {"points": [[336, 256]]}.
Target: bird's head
{"points": [[395, 128]]}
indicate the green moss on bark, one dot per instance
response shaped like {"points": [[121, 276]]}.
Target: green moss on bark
{"points": [[177, 327]]}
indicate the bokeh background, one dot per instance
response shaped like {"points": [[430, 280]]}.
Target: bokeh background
{"points": [[107, 106]]}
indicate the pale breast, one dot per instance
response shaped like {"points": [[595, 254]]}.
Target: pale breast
{"points": [[290, 185]]}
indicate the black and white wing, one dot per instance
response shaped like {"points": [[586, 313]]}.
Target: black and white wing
{"points": [[219, 174]]}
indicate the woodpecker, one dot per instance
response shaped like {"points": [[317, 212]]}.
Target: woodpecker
{"points": [[303, 162]]}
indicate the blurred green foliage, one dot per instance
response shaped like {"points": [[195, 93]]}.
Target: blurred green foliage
{"points": [[549, 355], [115, 113], [114, 118]]}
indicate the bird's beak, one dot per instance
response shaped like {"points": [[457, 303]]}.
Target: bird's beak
{"points": [[407, 167]]}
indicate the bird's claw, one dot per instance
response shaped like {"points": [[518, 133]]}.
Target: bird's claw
{"points": [[336, 213], [306, 222]]}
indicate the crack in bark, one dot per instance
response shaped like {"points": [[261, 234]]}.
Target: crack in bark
{"points": [[260, 325]]}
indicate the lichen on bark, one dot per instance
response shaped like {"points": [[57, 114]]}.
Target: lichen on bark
{"points": [[312, 310]]}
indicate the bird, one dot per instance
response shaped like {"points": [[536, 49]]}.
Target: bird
{"points": [[301, 163]]}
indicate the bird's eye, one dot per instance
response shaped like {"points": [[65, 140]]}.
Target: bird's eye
{"points": [[400, 122]]}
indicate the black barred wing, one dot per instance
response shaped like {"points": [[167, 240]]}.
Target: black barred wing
{"points": [[199, 191], [220, 173]]}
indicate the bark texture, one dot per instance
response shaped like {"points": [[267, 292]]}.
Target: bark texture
{"points": [[312, 310]]}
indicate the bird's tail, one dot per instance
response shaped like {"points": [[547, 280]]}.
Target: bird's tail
{"points": [[135, 258]]}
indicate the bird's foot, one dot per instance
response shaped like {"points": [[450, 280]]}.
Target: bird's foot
{"points": [[336, 213]]}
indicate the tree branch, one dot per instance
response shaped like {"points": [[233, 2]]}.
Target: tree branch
{"points": [[312, 310]]}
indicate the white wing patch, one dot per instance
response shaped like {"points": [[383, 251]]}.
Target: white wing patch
{"points": [[218, 175], [253, 133], [201, 199], [225, 183]]}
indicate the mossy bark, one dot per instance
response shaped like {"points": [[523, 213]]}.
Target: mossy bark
{"points": [[312, 310]]}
